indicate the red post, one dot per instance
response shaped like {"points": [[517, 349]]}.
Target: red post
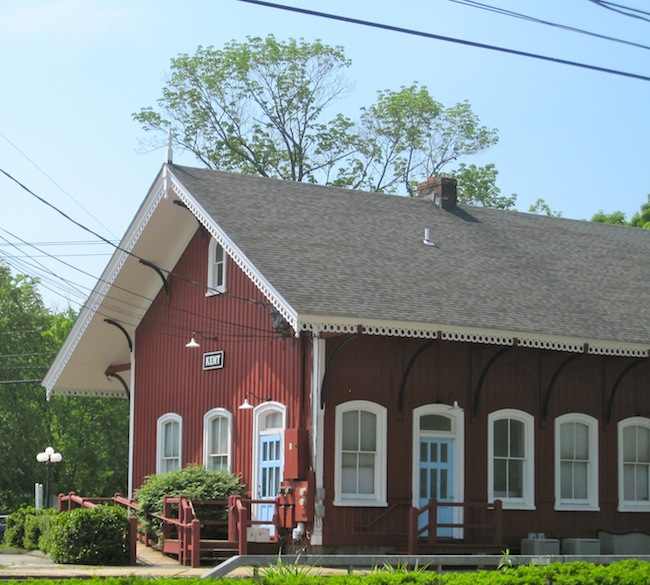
{"points": [[433, 522], [243, 533], [133, 540], [232, 518], [195, 539], [414, 514]]}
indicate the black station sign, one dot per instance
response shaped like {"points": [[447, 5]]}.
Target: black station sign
{"points": [[213, 360]]}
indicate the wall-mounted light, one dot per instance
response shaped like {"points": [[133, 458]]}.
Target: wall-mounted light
{"points": [[246, 405], [193, 343]]}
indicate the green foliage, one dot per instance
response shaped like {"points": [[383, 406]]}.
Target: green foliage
{"points": [[193, 481], [91, 536], [25, 525], [407, 136], [478, 186], [640, 219], [255, 107], [541, 207], [258, 107], [282, 573], [38, 530], [506, 562]]}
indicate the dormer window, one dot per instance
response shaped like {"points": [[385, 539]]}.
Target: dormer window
{"points": [[216, 268]]}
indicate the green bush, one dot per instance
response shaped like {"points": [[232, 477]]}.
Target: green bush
{"points": [[38, 531], [193, 481], [25, 526], [91, 536]]}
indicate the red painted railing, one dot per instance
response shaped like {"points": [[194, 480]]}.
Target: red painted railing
{"points": [[71, 501], [470, 520], [180, 526]]}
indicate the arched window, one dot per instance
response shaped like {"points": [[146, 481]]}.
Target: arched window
{"points": [[576, 462], [511, 459], [169, 442], [217, 432], [360, 455], [216, 268], [634, 465]]}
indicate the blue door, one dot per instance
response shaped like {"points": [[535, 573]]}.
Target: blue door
{"points": [[269, 474], [436, 474]]}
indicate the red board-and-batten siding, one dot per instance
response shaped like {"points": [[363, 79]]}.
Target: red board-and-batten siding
{"points": [[371, 368], [170, 378]]}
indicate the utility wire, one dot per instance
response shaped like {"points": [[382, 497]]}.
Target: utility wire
{"points": [[445, 39], [56, 184], [117, 247], [504, 12], [621, 9]]}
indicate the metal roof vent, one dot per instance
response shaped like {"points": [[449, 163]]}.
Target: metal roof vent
{"points": [[427, 238]]}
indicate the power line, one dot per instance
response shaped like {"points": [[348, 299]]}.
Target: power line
{"points": [[56, 184], [504, 12], [446, 39], [624, 10]]}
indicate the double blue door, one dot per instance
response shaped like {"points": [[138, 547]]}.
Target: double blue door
{"points": [[436, 479]]}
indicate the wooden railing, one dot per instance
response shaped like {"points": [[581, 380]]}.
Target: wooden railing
{"points": [[474, 524], [180, 525], [71, 501]]}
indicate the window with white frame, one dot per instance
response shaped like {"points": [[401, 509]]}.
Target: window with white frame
{"points": [[216, 268], [360, 454], [511, 458], [169, 439], [217, 424], [634, 464], [576, 462]]}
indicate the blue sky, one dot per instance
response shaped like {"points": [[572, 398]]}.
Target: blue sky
{"points": [[75, 70]]}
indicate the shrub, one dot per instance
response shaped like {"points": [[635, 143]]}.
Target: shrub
{"points": [[91, 536], [38, 531], [193, 481], [25, 526]]}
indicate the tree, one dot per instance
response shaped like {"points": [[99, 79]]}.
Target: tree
{"points": [[259, 107], [23, 318], [640, 219], [256, 107], [478, 186], [90, 433], [407, 136], [541, 207]]}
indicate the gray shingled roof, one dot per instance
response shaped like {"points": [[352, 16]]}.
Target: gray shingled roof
{"points": [[341, 253]]}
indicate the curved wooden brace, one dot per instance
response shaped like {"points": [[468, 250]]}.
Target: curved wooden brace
{"points": [[486, 369], [556, 375], [339, 347], [407, 371], [122, 381], [626, 370], [158, 271], [128, 337]]}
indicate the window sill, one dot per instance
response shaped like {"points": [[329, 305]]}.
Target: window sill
{"points": [[576, 508], [634, 508], [361, 503], [517, 505]]}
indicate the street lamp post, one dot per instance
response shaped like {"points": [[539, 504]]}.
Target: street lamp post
{"points": [[48, 457]]}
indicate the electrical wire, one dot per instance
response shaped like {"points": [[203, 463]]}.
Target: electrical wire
{"points": [[624, 10], [56, 184], [504, 12], [427, 35]]}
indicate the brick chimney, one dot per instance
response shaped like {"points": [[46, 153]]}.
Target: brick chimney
{"points": [[440, 190]]}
